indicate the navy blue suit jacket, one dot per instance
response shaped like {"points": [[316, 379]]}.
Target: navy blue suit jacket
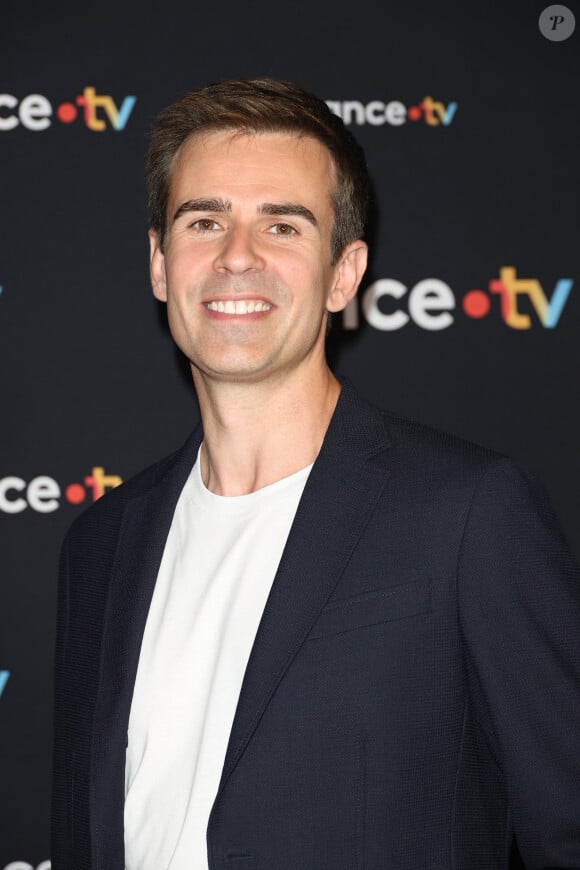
{"points": [[412, 699]]}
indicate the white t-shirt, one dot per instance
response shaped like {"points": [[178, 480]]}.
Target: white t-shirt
{"points": [[216, 572]]}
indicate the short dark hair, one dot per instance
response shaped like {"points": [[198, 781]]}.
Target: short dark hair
{"points": [[261, 105]]}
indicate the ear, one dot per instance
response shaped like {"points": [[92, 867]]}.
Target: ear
{"points": [[157, 267], [348, 274]]}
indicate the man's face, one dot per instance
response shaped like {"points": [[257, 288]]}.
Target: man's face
{"points": [[246, 268]]}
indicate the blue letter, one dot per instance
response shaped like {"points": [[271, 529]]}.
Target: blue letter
{"points": [[124, 113], [557, 302]]}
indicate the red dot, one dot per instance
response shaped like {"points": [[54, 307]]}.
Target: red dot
{"points": [[413, 113], [476, 303], [66, 113], [75, 493]]}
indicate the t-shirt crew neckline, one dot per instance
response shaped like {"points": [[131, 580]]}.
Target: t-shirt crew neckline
{"points": [[202, 496]]}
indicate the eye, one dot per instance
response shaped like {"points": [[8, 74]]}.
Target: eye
{"points": [[205, 225], [282, 230]]}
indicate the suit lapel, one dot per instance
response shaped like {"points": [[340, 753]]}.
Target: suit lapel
{"points": [[145, 526], [340, 495]]}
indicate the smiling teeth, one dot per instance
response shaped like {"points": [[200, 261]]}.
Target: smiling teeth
{"points": [[238, 307]]}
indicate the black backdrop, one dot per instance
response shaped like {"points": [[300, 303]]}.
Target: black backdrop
{"points": [[470, 122]]}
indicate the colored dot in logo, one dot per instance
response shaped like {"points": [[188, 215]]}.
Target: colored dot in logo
{"points": [[75, 493], [476, 303], [66, 113], [413, 113]]}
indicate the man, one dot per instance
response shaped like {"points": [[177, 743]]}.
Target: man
{"points": [[318, 637]]}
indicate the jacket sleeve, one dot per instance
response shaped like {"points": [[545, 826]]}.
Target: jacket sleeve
{"points": [[61, 787], [519, 611]]}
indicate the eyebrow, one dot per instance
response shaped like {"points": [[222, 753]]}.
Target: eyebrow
{"points": [[220, 206], [287, 209], [216, 204]]}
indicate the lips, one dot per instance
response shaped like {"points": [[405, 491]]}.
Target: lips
{"points": [[238, 306]]}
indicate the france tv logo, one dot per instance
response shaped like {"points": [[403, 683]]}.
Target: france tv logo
{"points": [[43, 493], [98, 112], [429, 303], [432, 112]]}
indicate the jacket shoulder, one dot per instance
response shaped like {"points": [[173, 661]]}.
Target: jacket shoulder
{"points": [[411, 436], [107, 512], [410, 449]]}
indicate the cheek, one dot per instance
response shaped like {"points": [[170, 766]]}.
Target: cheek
{"points": [[183, 274], [175, 315], [184, 253], [304, 276]]}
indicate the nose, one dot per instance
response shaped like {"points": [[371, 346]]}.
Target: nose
{"points": [[238, 253]]}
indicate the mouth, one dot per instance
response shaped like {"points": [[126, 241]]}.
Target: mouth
{"points": [[238, 306]]}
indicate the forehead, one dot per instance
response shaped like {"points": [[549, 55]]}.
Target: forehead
{"points": [[252, 162]]}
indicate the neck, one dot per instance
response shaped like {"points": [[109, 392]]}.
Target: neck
{"points": [[256, 434]]}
